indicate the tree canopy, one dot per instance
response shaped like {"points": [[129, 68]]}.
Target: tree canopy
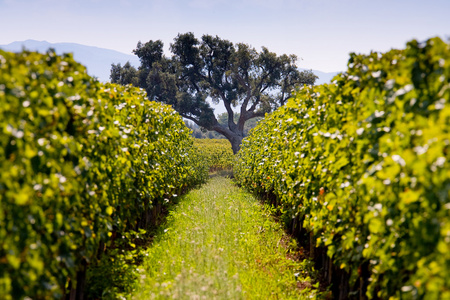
{"points": [[236, 75]]}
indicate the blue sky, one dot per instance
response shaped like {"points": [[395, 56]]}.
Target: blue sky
{"points": [[320, 32]]}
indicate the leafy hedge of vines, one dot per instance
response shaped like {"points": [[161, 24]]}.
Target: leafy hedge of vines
{"points": [[218, 153], [364, 162], [80, 162]]}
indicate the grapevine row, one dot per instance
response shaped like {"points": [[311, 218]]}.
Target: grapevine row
{"points": [[81, 162], [362, 164], [217, 152]]}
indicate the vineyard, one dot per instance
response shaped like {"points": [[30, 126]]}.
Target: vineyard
{"points": [[357, 170], [360, 168], [82, 163], [218, 153]]}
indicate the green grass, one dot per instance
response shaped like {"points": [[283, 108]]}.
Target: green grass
{"points": [[220, 243]]}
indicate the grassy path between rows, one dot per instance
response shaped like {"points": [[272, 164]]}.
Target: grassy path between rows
{"points": [[220, 243]]}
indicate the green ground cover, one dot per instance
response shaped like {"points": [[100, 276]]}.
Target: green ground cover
{"points": [[220, 243]]}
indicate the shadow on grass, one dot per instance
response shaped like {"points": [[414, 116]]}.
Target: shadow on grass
{"points": [[222, 173], [113, 275]]}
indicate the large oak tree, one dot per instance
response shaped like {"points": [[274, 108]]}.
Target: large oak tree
{"points": [[235, 75]]}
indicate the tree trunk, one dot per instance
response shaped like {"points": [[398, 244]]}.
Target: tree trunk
{"points": [[236, 142], [234, 136]]}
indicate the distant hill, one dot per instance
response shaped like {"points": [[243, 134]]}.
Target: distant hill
{"points": [[324, 77], [98, 60]]}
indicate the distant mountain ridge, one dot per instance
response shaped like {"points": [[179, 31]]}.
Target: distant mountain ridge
{"points": [[324, 77], [98, 60]]}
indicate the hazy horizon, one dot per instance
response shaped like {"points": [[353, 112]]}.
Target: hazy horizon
{"points": [[321, 33]]}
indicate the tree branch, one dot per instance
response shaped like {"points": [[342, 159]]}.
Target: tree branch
{"points": [[227, 105], [248, 115], [253, 107], [192, 119], [249, 92]]}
